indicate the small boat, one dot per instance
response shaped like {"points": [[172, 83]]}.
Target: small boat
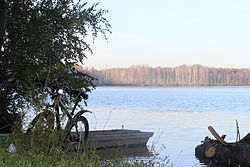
{"points": [[118, 137], [4, 135]]}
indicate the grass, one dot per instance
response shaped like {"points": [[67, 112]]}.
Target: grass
{"points": [[27, 159], [43, 150], [47, 150]]}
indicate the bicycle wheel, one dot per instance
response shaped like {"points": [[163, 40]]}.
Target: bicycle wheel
{"points": [[78, 130], [43, 122]]}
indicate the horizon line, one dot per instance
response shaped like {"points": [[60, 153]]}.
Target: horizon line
{"points": [[150, 66]]}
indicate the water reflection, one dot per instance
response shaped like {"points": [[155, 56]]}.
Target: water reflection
{"points": [[135, 154], [125, 152], [208, 163]]}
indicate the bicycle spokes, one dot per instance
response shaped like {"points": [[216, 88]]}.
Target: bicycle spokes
{"points": [[79, 129]]}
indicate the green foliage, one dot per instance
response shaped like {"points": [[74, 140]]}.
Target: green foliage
{"points": [[47, 151], [42, 150], [45, 41]]}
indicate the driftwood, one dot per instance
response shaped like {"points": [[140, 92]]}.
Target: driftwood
{"points": [[220, 153]]}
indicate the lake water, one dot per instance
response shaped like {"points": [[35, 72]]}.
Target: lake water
{"points": [[179, 117]]}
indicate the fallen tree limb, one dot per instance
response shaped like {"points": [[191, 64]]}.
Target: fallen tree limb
{"points": [[220, 153], [215, 134]]}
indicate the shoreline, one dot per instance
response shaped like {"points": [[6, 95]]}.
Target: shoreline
{"points": [[138, 86]]}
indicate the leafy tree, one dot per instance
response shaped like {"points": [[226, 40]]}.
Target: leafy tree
{"points": [[3, 18], [45, 41]]}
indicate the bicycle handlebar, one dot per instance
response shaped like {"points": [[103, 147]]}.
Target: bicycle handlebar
{"points": [[73, 92], [77, 93]]}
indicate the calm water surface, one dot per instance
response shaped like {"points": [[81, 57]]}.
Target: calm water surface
{"points": [[178, 116]]}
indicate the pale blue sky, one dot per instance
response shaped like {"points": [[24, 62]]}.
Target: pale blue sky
{"points": [[169, 33]]}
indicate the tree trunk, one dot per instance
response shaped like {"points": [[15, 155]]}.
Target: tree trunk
{"points": [[3, 19]]}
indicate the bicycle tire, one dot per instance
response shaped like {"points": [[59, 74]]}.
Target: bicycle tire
{"points": [[83, 135], [48, 119]]}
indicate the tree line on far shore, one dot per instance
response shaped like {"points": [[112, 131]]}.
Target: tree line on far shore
{"points": [[195, 75]]}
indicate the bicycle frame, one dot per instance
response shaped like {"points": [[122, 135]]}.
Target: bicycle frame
{"points": [[73, 119], [58, 104]]}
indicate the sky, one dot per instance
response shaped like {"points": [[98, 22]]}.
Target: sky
{"points": [[169, 33]]}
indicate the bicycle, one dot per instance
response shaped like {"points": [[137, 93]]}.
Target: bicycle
{"points": [[73, 131]]}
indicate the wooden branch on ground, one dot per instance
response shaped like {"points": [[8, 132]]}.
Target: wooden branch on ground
{"points": [[220, 153], [215, 134]]}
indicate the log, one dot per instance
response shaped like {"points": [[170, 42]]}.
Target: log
{"points": [[210, 151], [217, 153]]}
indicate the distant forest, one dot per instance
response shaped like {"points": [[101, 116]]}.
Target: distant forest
{"points": [[195, 75]]}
